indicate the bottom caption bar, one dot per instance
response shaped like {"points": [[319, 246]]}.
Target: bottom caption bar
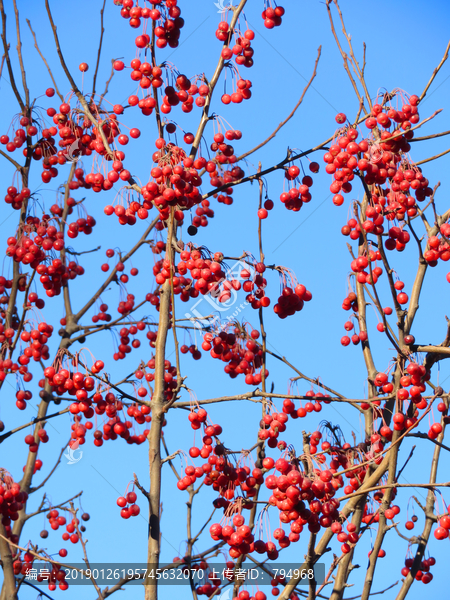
{"points": [[216, 574]]}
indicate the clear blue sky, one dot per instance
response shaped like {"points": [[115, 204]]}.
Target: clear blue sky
{"points": [[404, 44]]}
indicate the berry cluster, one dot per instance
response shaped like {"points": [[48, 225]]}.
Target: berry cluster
{"points": [[272, 16], [12, 502], [295, 197], [291, 300], [128, 505], [242, 49], [423, 574], [239, 350], [15, 198]]}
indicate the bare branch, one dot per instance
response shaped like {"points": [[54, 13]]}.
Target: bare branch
{"points": [[38, 487], [8, 60], [215, 78], [19, 54], [102, 31], [435, 72], [289, 117], [344, 57], [11, 160], [429, 137], [422, 162], [45, 62], [107, 83], [6, 435], [108, 280]]}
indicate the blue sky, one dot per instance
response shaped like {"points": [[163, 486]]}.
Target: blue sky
{"points": [[404, 44]]}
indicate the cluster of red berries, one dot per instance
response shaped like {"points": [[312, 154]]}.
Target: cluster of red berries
{"points": [[263, 212], [81, 225], [207, 274], [352, 229], [20, 135], [202, 213], [225, 152], [135, 13], [125, 347], [341, 161], [191, 474], [56, 574], [196, 354], [12, 502], [115, 428], [78, 137], [240, 351], [21, 398], [32, 445], [438, 248], [226, 479], [140, 413], [222, 177], [295, 197], [175, 183], [55, 275], [126, 306], [242, 49], [356, 337], [196, 418], [57, 210], [38, 349], [237, 535], [181, 93], [289, 491], [242, 92], [442, 532], [170, 24], [274, 423], [102, 315], [56, 521], [292, 489], [170, 378], [272, 16], [75, 384], [148, 76], [128, 505], [350, 302], [360, 264], [423, 574], [22, 565], [31, 251], [381, 162], [78, 432], [255, 284], [396, 201], [15, 198], [291, 300]]}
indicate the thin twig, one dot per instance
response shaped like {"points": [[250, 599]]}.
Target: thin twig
{"points": [[289, 117], [102, 31], [38, 487], [19, 54], [45, 62], [422, 162], [435, 72]]}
